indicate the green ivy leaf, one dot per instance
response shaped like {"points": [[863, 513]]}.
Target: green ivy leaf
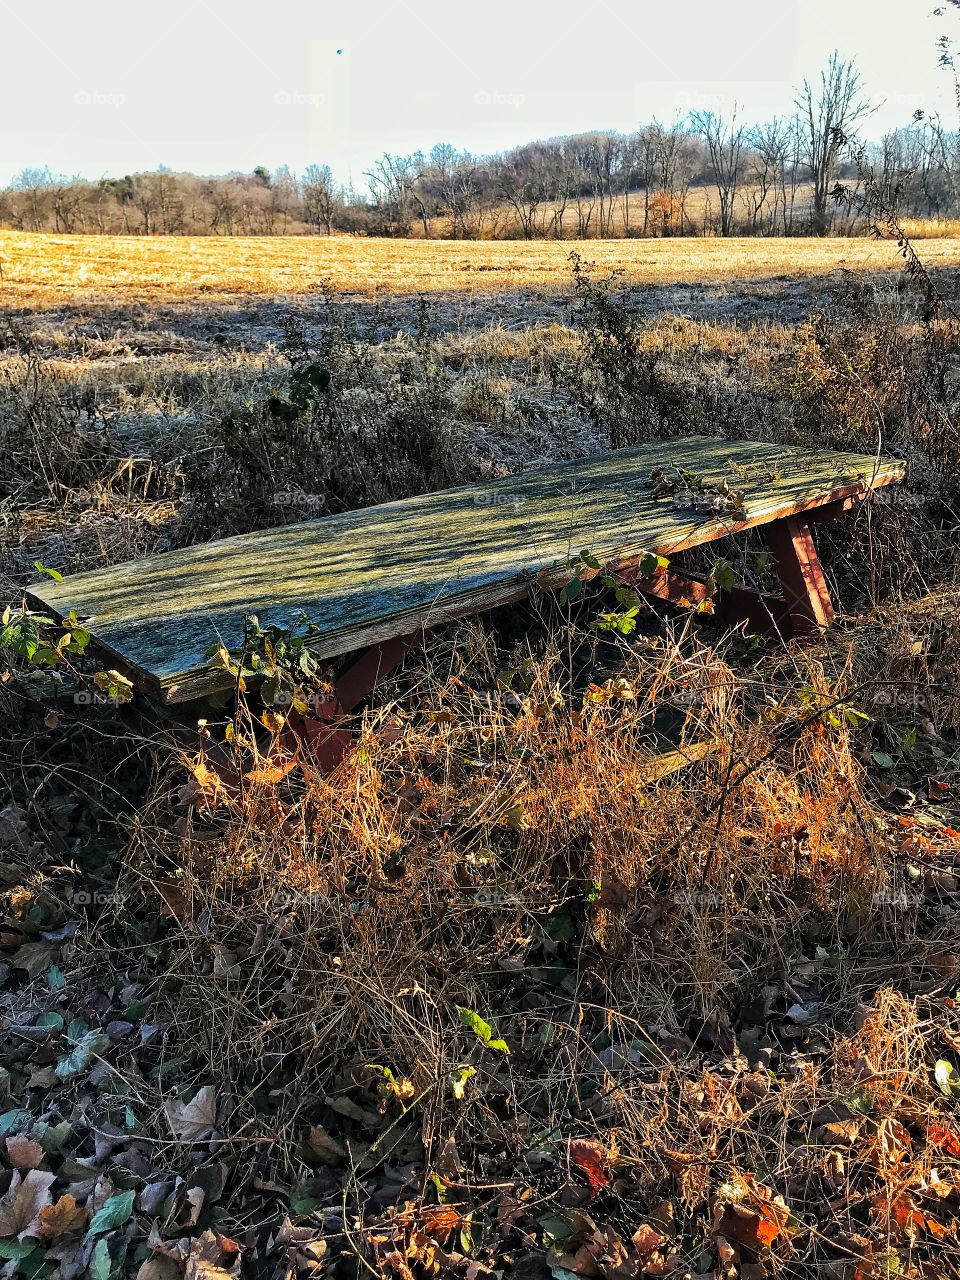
{"points": [[16, 1248], [78, 1059], [481, 1029], [17, 1121], [100, 1264], [113, 1213]]}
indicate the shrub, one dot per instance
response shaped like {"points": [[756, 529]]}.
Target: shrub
{"points": [[346, 431]]}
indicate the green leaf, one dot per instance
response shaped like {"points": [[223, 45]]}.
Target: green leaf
{"points": [[52, 1136], [17, 1121], [882, 760], [948, 1078], [100, 1264], [112, 1214], [559, 927], [78, 1059], [50, 573], [56, 980], [651, 564], [724, 576], [34, 1265], [556, 1230], [301, 1203], [571, 591], [16, 1248], [481, 1029]]}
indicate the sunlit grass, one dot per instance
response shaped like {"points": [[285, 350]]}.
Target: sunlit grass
{"points": [[46, 269]]}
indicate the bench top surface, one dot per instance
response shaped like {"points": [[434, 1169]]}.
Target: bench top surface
{"points": [[367, 575]]}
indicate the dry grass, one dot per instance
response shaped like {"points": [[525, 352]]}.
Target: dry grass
{"points": [[47, 270]]}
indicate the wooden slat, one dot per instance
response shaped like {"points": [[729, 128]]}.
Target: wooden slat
{"points": [[367, 575]]}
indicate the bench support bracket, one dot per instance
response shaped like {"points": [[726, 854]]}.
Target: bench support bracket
{"points": [[323, 727]]}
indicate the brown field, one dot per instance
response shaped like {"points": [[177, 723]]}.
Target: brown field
{"points": [[46, 270]]}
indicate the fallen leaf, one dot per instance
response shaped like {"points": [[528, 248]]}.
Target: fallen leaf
{"points": [[113, 1213], [21, 1205], [646, 1239], [159, 1268], [63, 1217], [192, 1121], [948, 1078], [590, 1158], [750, 1213], [24, 1152], [100, 1264], [944, 1137], [89, 1044], [319, 1146]]}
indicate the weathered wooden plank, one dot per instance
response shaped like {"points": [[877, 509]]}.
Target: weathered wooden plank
{"points": [[367, 575]]}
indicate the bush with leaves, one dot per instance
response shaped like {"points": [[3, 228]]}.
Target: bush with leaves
{"points": [[346, 431]]}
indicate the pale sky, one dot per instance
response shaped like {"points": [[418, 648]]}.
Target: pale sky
{"points": [[113, 86]]}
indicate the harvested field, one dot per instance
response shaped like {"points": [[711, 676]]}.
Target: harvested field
{"points": [[43, 270]]}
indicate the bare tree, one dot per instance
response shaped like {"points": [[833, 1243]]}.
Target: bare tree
{"points": [[769, 152], [827, 114], [391, 181], [724, 141], [319, 196]]}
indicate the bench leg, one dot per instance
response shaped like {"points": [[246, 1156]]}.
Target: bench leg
{"points": [[804, 586], [803, 609], [764, 614], [322, 729]]}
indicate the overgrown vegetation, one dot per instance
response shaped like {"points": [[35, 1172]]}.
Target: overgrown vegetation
{"points": [[507, 993]]}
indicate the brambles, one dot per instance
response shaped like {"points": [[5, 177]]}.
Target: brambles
{"points": [[345, 432]]}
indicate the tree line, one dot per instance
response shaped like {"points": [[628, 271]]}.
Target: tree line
{"points": [[708, 174]]}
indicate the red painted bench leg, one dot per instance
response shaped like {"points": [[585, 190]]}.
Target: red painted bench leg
{"points": [[804, 586], [322, 728]]}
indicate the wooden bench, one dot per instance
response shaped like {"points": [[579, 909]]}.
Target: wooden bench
{"points": [[381, 576]]}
